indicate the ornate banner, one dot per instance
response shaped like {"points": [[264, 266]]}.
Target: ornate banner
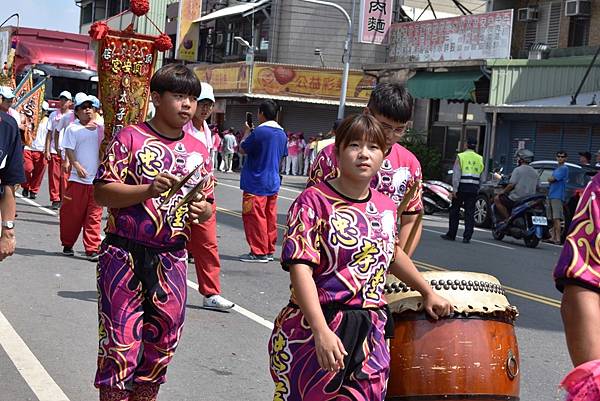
{"points": [[25, 85], [125, 66], [188, 31], [290, 80], [224, 77], [30, 106]]}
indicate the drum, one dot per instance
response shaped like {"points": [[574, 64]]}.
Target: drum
{"points": [[471, 355]]}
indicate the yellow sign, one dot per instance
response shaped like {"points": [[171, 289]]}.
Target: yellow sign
{"points": [[188, 31], [224, 77], [290, 80]]}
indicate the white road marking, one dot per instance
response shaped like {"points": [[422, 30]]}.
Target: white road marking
{"points": [[235, 187], [473, 240], [243, 311], [32, 203], [38, 379]]}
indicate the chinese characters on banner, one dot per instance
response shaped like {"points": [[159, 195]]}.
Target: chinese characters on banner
{"points": [[125, 66], [188, 31], [231, 77], [30, 108], [469, 37], [375, 20]]}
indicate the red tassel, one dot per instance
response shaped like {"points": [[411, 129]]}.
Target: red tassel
{"points": [[98, 30], [163, 43], [139, 7]]}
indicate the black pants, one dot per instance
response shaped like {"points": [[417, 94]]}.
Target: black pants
{"points": [[468, 200]]}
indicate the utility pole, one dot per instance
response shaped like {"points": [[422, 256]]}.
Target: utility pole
{"points": [[347, 50]]}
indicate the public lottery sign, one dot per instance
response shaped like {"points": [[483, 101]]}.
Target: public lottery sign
{"points": [[468, 37], [188, 31], [375, 20], [125, 67]]}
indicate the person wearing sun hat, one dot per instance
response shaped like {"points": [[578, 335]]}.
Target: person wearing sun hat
{"points": [[80, 211], [202, 244], [7, 98]]}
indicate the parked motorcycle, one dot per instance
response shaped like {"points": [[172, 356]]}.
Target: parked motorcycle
{"points": [[527, 221], [436, 196]]}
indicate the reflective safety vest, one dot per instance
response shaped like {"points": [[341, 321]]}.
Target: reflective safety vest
{"points": [[471, 167]]}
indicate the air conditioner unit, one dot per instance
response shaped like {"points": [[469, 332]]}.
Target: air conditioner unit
{"points": [[527, 14], [578, 8]]}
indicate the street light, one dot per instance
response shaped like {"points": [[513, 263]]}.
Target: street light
{"points": [[319, 53], [347, 50]]}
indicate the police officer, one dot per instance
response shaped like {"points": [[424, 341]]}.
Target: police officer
{"points": [[11, 173], [465, 181]]}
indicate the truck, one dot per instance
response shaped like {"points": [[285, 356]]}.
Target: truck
{"points": [[67, 59]]}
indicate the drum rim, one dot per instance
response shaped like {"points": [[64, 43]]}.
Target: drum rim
{"points": [[411, 315]]}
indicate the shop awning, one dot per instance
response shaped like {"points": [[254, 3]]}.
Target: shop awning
{"points": [[459, 85], [240, 8]]}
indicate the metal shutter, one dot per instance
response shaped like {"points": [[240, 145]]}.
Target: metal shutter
{"points": [[521, 132], [235, 115], [310, 118], [548, 141], [595, 140], [575, 139]]}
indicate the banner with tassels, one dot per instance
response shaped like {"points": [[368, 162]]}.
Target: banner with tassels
{"points": [[126, 62], [29, 106]]}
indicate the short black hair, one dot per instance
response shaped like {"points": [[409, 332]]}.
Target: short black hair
{"points": [[269, 108], [561, 153], [175, 78], [391, 100]]}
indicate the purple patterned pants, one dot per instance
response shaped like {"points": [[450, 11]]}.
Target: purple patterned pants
{"points": [[141, 309]]}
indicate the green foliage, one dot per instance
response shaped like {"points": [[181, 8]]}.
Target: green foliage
{"points": [[430, 158]]}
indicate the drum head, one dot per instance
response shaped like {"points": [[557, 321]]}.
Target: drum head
{"points": [[467, 292]]}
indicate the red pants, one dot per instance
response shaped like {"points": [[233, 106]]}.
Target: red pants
{"points": [[259, 214], [34, 164], [57, 179], [203, 247], [79, 210]]}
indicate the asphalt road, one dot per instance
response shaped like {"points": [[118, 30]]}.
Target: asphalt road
{"points": [[48, 323]]}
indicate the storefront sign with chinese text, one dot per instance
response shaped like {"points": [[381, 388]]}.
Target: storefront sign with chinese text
{"points": [[375, 20], [469, 37], [320, 83], [224, 77]]}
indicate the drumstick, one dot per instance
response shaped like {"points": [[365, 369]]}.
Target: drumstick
{"points": [[413, 233]]}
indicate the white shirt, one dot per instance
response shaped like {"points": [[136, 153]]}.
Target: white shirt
{"points": [[85, 143], [53, 121], [62, 124], [39, 143], [204, 136]]}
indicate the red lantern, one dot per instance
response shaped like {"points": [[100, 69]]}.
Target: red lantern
{"points": [[98, 30], [139, 7], [163, 43]]}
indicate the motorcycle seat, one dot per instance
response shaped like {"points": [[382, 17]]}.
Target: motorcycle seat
{"points": [[529, 198]]}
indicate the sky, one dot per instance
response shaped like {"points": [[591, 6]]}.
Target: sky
{"points": [[57, 15]]}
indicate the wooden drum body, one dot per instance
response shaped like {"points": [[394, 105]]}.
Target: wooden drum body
{"points": [[472, 355]]}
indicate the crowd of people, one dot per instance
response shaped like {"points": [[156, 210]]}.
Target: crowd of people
{"points": [[357, 220]]}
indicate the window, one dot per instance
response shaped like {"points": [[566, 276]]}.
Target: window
{"points": [[113, 7], [87, 12], [579, 32], [99, 9]]}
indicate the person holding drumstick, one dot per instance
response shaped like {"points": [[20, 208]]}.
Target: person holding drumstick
{"points": [[329, 342], [577, 276]]}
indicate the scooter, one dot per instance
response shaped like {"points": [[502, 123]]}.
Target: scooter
{"points": [[527, 221], [436, 196]]}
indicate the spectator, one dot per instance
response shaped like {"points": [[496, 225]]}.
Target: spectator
{"points": [[309, 154], [585, 158], [260, 181], [556, 195], [301, 147], [329, 138], [11, 174], [229, 145], [241, 157], [291, 164], [214, 152]]}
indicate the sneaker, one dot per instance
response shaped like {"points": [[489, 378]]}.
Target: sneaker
{"points": [[446, 237], [68, 251], [252, 258], [32, 195], [466, 241], [270, 257], [230, 171], [56, 205], [25, 193], [92, 256], [217, 302]]}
